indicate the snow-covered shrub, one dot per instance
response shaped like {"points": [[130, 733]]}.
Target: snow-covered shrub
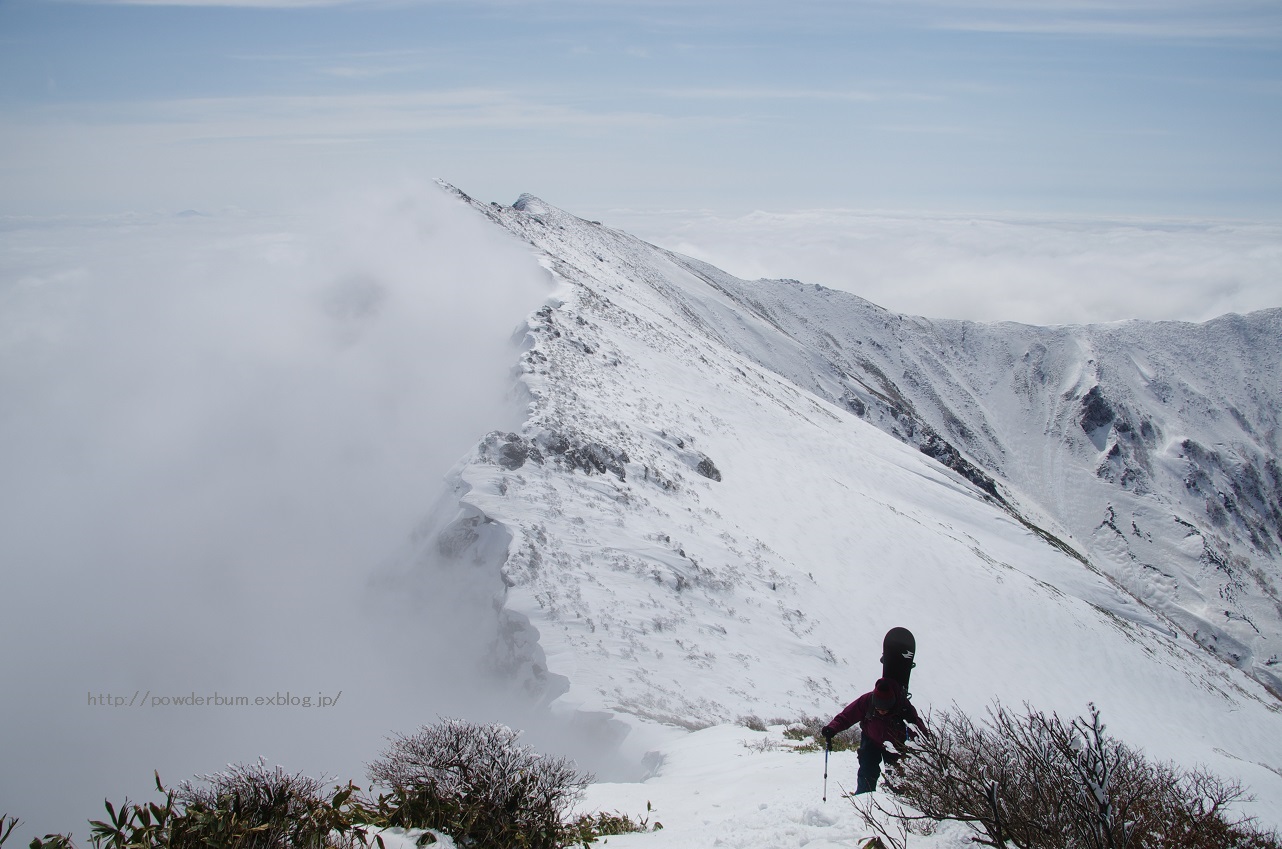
{"points": [[259, 807], [247, 806], [1035, 781], [809, 730], [471, 782], [587, 828], [476, 784]]}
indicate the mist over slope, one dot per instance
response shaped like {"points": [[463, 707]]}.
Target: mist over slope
{"points": [[211, 427], [725, 492]]}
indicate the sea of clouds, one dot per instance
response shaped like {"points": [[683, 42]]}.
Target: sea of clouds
{"points": [[1035, 270]]}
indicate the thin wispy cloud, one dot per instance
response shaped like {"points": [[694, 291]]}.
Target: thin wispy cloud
{"points": [[370, 65], [933, 130], [908, 105], [368, 72], [337, 116], [780, 93], [242, 4], [1194, 19], [1146, 29], [1133, 19]]}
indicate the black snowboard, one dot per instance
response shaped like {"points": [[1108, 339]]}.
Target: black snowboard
{"points": [[897, 652]]}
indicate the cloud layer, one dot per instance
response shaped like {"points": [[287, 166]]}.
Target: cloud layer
{"points": [[1036, 271], [213, 431]]}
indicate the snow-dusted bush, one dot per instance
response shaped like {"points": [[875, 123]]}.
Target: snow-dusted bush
{"points": [[254, 806], [244, 807], [805, 732], [1035, 781], [477, 784], [247, 806], [586, 829], [472, 782], [810, 728]]}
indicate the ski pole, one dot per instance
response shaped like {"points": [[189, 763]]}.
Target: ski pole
{"points": [[827, 749]]}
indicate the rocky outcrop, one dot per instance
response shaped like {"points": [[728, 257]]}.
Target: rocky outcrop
{"points": [[570, 451]]}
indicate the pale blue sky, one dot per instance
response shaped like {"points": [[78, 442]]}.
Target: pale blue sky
{"points": [[1170, 108]]}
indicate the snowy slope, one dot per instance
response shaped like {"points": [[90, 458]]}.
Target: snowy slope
{"points": [[1151, 447], [697, 522]]}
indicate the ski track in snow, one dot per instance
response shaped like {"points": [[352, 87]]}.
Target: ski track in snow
{"points": [[636, 586]]}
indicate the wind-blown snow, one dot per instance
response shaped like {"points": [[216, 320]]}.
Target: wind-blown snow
{"points": [[701, 519]]}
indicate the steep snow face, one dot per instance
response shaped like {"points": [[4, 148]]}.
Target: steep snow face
{"points": [[703, 516], [1152, 448]]}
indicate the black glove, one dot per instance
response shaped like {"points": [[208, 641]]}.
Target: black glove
{"points": [[827, 733]]}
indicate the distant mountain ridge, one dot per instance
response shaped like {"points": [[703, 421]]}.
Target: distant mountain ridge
{"points": [[1153, 445], [725, 491]]}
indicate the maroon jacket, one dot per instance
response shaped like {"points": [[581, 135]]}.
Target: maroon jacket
{"points": [[891, 728]]}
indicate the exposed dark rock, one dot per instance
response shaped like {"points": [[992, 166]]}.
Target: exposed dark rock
{"points": [[1197, 454], [1148, 432], [854, 405], [590, 457], [509, 450], [940, 449], [1244, 494], [707, 468], [1097, 412], [595, 457]]}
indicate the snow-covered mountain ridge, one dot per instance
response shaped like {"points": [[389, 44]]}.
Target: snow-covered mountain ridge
{"points": [[1152, 447], [726, 491]]}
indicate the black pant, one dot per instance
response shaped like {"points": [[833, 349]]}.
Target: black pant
{"points": [[869, 765]]}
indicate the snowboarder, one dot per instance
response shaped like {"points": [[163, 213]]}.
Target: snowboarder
{"points": [[883, 715]]}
